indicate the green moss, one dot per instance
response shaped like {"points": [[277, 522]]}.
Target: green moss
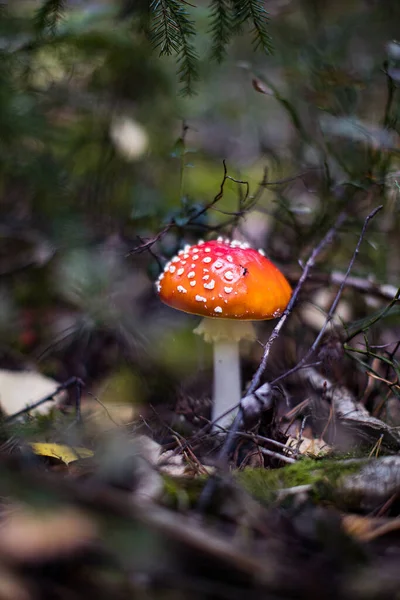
{"points": [[182, 492], [321, 474]]}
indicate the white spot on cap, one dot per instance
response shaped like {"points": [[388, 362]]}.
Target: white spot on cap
{"points": [[180, 271], [175, 259], [228, 275], [172, 269], [200, 298], [205, 277], [186, 256], [193, 283], [210, 286], [207, 259], [181, 289], [192, 266], [200, 242], [227, 290], [191, 275], [207, 249], [218, 264], [186, 248], [181, 252], [229, 258], [161, 276], [195, 256], [183, 262], [220, 239], [218, 309], [261, 251]]}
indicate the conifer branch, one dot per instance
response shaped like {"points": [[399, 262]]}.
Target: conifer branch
{"points": [[49, 15], [164, 30], [172, 32], [253, 12], [221, 28]]}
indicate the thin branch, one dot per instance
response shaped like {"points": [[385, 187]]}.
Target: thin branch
{"points": [[50, 398], [272, 454], [210, 487], [248, 203], [149, 243], [255, 382], [361, 284], [335, 301], [377, 318]]}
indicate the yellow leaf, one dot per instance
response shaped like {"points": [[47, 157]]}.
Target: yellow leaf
{"points": [[66, 454]]}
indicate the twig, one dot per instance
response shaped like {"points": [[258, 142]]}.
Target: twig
{"points": [[255, 382], [78, 398], [281, 457], [376, 318], [291, 178], [247, 203], [209, 488], [366, 286], [69, 383], [334, 303], [260, 438], [149, 243]]}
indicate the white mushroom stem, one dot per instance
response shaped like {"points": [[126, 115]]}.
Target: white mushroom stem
{"points": [[225, 334], [227, 382]]}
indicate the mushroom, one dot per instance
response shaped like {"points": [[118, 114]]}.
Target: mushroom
{"points": [[230, 285]]}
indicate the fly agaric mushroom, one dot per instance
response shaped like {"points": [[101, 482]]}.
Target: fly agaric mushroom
{"points": [[230, 285]]}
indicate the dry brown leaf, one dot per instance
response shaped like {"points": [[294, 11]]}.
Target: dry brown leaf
{"points": [[309, 447], [261, 87], [367, 529]]}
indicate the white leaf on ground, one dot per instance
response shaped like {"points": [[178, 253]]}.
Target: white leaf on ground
{"points": [[19, 389]]}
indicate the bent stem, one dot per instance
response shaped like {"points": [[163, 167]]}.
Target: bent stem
{"points": [[227, 382]]}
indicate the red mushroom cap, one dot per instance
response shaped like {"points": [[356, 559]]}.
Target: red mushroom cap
{"points": [[224, 279]]}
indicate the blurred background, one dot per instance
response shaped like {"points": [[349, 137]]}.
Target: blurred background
{"points": [[109, 156]]}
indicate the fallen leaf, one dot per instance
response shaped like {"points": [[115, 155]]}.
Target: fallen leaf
{"points": [[262, 87], [66, 454], [367, 529], [20, 389], [309, 447]]}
